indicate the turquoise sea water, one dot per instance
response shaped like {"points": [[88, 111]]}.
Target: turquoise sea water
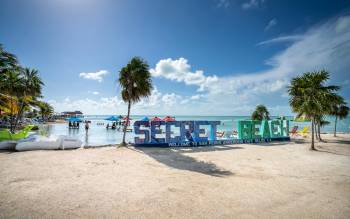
{"points": [[99, 135]]}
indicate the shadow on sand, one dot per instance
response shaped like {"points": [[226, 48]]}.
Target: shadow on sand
{"points": [[176, 158]]}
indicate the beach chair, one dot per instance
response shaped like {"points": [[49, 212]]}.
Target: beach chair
{"points": [[220, 134], [304, 132], [294, 130]]}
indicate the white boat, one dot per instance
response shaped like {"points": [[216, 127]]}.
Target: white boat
{"points": [[48, 143]]}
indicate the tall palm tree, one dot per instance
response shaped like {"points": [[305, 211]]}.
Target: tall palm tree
{"points": [[135, 81], [309, 96], [260, 113], [339, 112]]}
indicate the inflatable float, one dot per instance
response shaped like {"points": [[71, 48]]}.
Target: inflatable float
{"points": [[8, 145], [6, 135], [36, 142]]}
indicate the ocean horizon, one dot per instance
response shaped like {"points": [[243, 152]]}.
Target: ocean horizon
{"points": [[229, 122]]}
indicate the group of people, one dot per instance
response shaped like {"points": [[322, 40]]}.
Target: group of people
{"points": [[113, 126], [74, 125], [116, 125]]}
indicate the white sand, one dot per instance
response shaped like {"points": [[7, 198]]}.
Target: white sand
{"points": [[280, 180]]}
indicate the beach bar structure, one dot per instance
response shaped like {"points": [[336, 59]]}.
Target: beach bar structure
{"points": [[68, 114]]}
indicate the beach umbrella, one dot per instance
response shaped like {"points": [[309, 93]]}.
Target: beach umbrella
{"points": [[145, 119], [168, 119], [112, 118], [74, 119], [156, 119]]}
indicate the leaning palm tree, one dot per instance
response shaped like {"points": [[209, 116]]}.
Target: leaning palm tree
{"points": [[309, 96], [135, 81], [261, 113], [339, 112]]}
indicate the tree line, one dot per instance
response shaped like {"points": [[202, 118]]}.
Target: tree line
{"points": [[20, 91], [312, 99]]}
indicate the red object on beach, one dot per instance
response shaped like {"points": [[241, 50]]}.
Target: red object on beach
{"points": [[168, 119], [156, 119], [126, 118]]}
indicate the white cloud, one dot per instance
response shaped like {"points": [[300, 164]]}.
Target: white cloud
{"points": [[282, 39], [271, 24], [196, 97], [94, 92], [97, 76], [179, 70], [223, 3], [170, 99], [252, 4]]}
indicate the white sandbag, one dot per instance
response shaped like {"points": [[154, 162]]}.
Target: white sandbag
{"points": [[38, 143], [69, 143], [7, 145]]}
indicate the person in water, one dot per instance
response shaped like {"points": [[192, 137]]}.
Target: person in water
{"points": [[107, 127], [86, 125], [113, 125]]}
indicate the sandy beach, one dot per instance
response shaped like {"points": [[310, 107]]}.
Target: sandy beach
{"points": [[276, 180]]}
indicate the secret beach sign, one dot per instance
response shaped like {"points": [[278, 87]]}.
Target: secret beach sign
{"points": [[203, 133]]}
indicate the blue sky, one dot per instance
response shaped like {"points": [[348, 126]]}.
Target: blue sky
{"points": [[214, 57]]}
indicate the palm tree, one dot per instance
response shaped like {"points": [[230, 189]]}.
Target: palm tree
{"points": [[309, 96], [11, 87], [135, 81], [45, 109], [319, 122], [339, 111], [32, 85], [261, 113]]}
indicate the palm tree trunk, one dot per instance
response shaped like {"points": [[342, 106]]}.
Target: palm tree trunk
{"points": [[316, 133], [335, 126], [126, 123], [19, 115], [11, 117], [312, 134], [319, 132]]}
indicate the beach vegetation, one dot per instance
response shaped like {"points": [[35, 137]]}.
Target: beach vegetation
{"points": [[136, 83], [260, 113], [339, 111], [20, 89], [312, 98]]}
